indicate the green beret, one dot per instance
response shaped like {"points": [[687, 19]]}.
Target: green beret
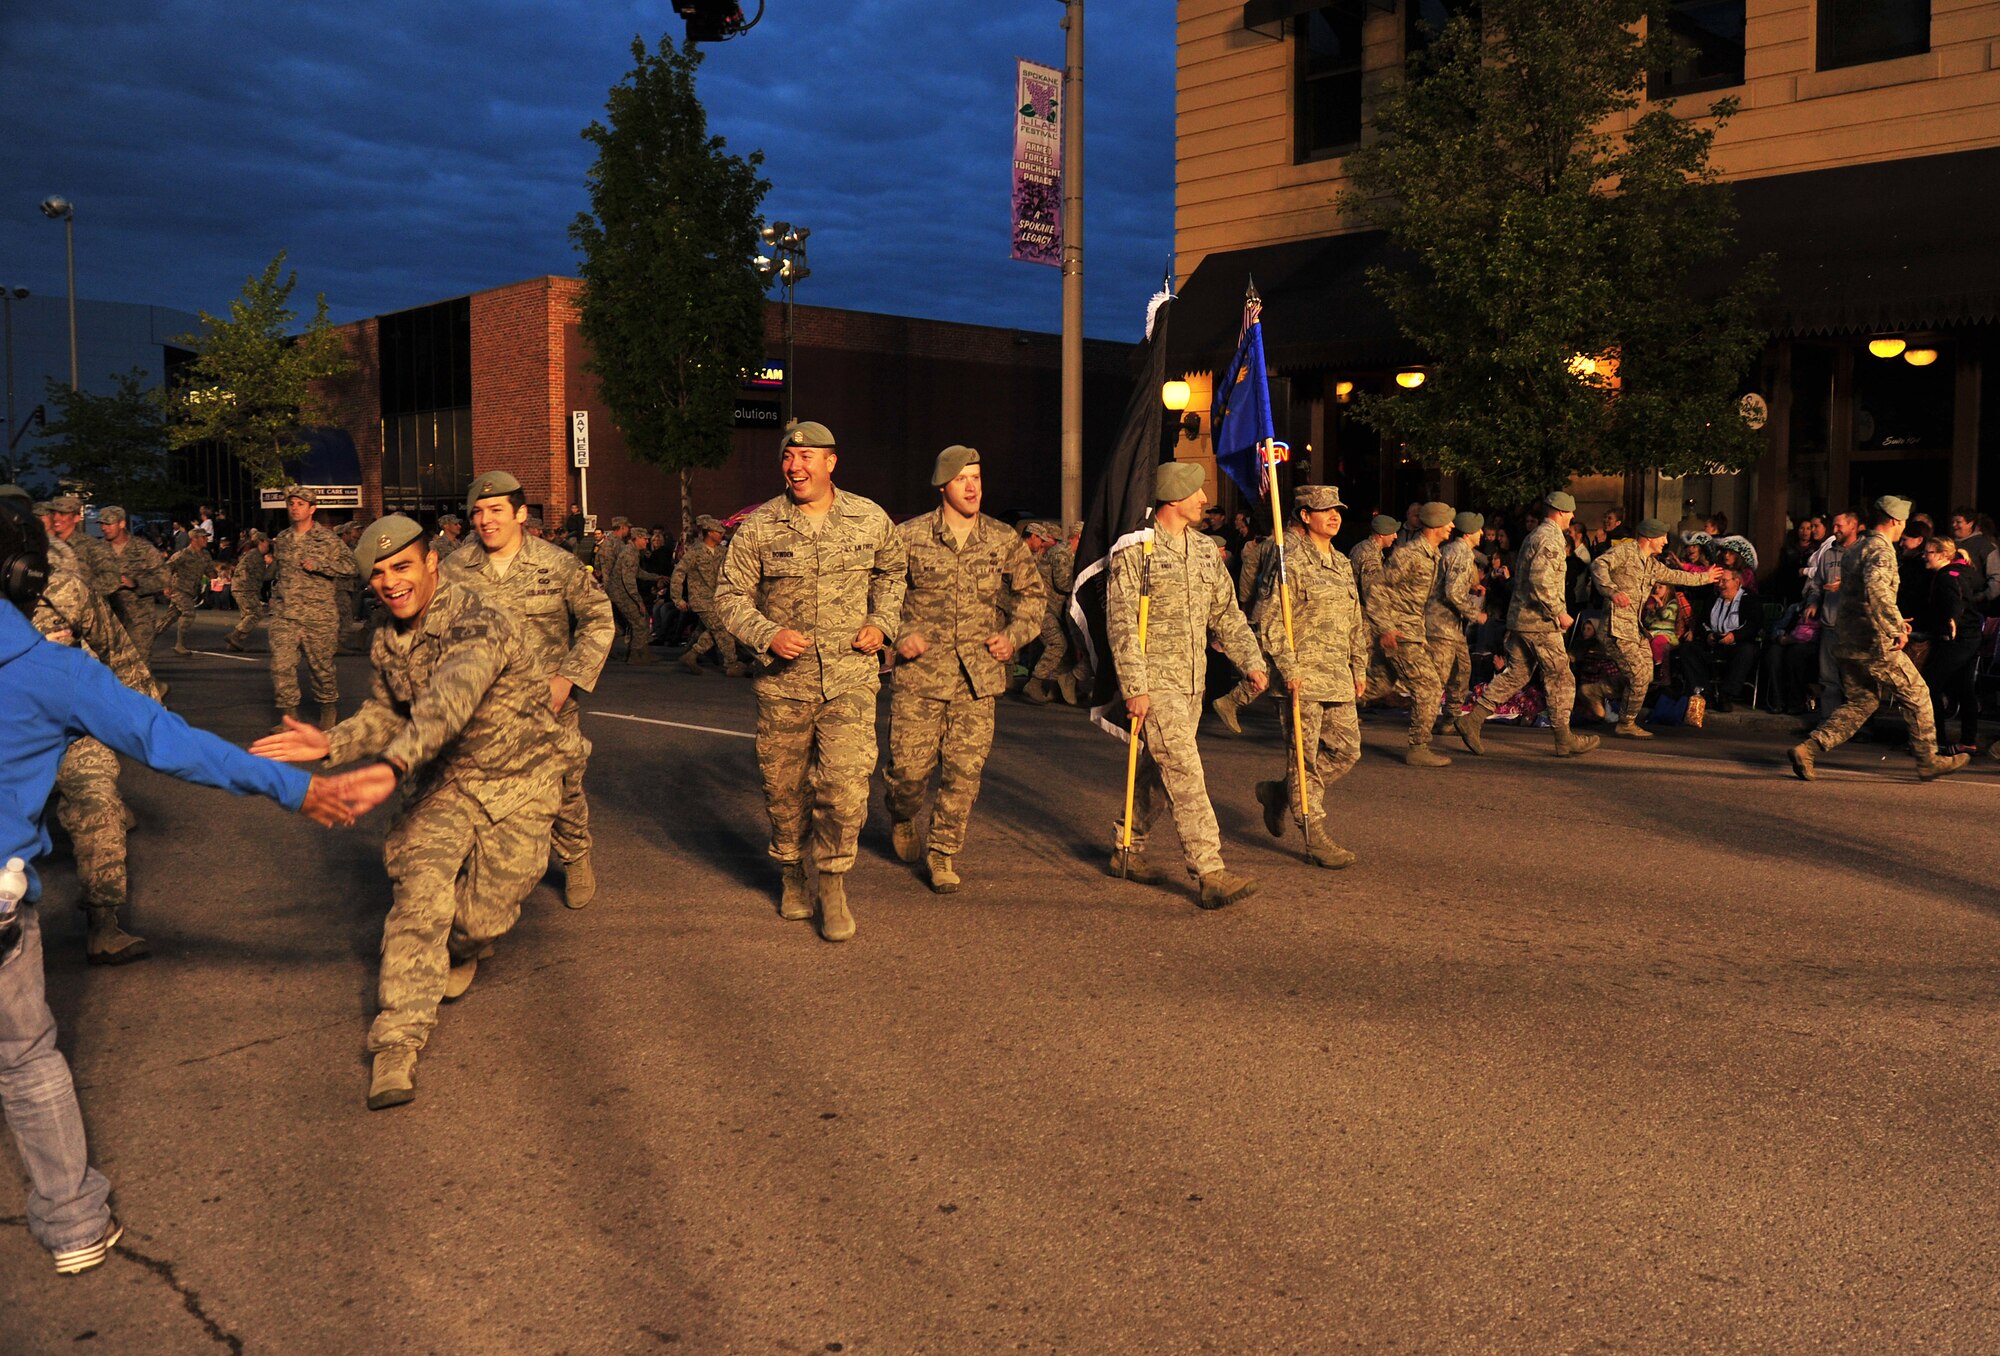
{"points": [[1382, 525], [1174, 481], [15, 492], [111, 513], [384, 538], [807, 433], [65, 503], [1895, 506], [1561, 501], [1469, 523], [951, 461], [490, 485], [1313, 498], [1435, 514], [1650, 527], [305, 492]]}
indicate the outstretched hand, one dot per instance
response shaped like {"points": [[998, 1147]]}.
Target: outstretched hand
{"points": [[298, 742], [325, 805], [364, 788]]}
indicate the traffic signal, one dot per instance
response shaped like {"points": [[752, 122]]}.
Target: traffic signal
{"points": [[711, 20]]}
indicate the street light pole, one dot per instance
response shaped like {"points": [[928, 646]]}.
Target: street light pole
{"points": [[788, 261], [8, 296], [1072, 264], [56, 207]]}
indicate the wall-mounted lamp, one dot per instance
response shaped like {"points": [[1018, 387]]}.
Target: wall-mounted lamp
{"points": [[1175, 395], [1920, 357], [1886, 348], [1343, 391], [1409, 381]]}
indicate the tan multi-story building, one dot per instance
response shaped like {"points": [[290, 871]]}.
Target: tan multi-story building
{"points": [[1865, 161]]}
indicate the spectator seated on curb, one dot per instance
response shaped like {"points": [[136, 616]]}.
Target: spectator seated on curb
{"points": [[1664, 621], [1595, 667], [1719, 660], [1790, 663]]}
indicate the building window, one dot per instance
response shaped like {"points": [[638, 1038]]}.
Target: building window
{"points": [[1712, 31], [1327, 113], [426, 407], [1855, 32], [1423, 20]]}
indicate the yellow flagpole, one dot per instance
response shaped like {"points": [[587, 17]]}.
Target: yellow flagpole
{"points": [[1132, 754], [1285, 600]]}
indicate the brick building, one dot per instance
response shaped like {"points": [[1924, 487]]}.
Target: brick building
{"points": [[493, 379]]}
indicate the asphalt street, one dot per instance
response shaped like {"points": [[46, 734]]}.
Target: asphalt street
{"points": [[1660, 1050]]}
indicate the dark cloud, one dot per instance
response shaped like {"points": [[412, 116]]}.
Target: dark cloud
{"points": [[404, 153]]}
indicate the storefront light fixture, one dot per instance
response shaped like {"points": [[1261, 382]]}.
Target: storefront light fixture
{"points": [[1343, 391], [1920, 357], [1886, 348], [1175, 395], [1410, 380]]}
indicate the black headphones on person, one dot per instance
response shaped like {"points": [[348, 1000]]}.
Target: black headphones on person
{"points": [[24, 554]]}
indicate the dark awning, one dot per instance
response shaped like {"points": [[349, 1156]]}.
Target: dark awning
{"points": [[1319, 311], [1899, 245]]}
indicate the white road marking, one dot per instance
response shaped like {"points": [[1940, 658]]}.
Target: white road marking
{"points": [[670, 724], [239, 658]]}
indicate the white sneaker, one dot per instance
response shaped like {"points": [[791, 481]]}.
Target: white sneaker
{"points": [[72, 1260]]}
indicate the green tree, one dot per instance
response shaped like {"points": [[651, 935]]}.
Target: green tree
{"points": [[250, 386], [674, 310], [112, 447], [1542, 217]]}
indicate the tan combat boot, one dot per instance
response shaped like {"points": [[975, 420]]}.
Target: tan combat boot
{"points": [[1938, 765], [692, 664], [1066, 684], [736, 670], [1220, 887], [579, 882], [1131, 864], [1271, 795], [459, 978], [1421, 755], [1469, 724], [1628, 727], [108, 944], [903, 838], [637, 653], [1803, 757], [1037, 691], [285, 713], [795, 901], [1323, 851], [944, 880], [233, 643], [394, 1080], [1570, 745], [836, 920], [1225, 708]]}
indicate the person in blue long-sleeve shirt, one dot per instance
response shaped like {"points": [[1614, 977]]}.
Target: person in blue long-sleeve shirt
{"points": [[50, 695]]}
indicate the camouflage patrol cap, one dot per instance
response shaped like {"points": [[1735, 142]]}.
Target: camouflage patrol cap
{"points": [[65, 503], [1039, 527], [1894, 505], [1561, 501], [1435, 514], [534, 520], [1468, 523], [708, 522], [1382, 525], [951, 461], [450, 520], [621, 521], [194, 532], [305, 492], [42, 509], [15, 492], [384, 538], [806, 433], [490, 485], [1650, 527], [1174, 481], [111, 513], [1315, 498]]}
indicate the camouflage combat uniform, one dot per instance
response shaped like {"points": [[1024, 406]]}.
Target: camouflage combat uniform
{"points": [[1868, 641], [1534, 627], [1627, 569], [1397, 605], [693, 583], [246, 586], [941, 704], [1366, 561], [188, 573], [565, 622], [1193, 598], [815, 714], [1452, 608], [95, 561], [622, 580], [462, 702], [137, 607], [1329, 660], [1058, 570], [311, 567]]}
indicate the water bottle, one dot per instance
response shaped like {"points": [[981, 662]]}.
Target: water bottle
{"points": [[13, 889]]}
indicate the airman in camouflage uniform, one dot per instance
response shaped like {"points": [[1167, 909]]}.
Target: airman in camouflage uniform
{"points": [[1255, 587], [565, 621], [975, 596], [813, 586], [1536, 620], [459, 715], [1458, 603], [1325, 661], [246, 586], [1869, 640], [142, 578], [1625, 575], [188, 573], [93, 557], [1397, 608], [692, 588], [1192, 598], [87, 803], [311, 567], [622, 581], [1367, 560], [1054, 555]]}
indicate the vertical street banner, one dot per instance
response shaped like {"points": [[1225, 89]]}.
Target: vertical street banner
{"points": [[1037, 164]]}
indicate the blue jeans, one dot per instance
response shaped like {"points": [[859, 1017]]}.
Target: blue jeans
{"points": [[67, 1197]]}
